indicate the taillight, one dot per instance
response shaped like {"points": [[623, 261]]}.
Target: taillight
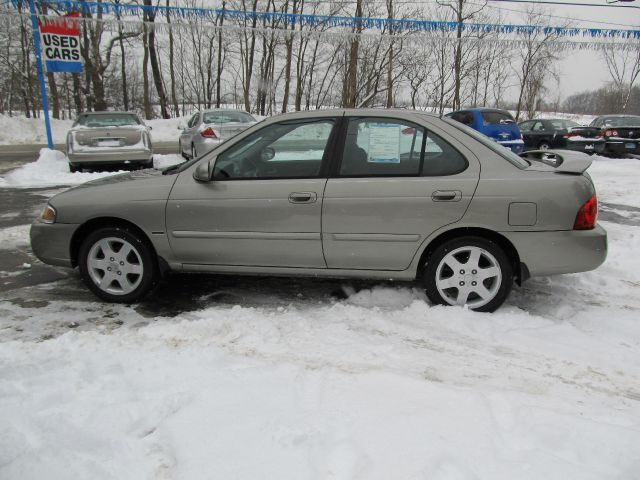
{"points": [[208, 133], [587, 215]]}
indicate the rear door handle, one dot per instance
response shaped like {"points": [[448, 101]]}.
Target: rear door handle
{"points": [[446, 196], [303, 197]]}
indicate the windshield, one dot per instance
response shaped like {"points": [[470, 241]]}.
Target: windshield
{"points": [[227, 117], [622, 122], [504, 152], [107, 120]]}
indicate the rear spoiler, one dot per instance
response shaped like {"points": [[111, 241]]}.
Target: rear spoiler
{"points": [[564, 161]]}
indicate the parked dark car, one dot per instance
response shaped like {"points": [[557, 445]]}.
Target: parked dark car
{"points": [[621, 133], [543, 134], [496, 124]]}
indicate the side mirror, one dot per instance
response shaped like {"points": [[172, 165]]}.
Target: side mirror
{"points": [[181, 126], [203, 171], [149, 127]]}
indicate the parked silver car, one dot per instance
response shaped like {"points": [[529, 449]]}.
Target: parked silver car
{"points": [[108, 138], [209, 128], [387, 194]]}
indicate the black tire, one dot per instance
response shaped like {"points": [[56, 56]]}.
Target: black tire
{"points": [[147, 260], [501, 290], [194, 153], [544, 146], [75, 168], [147, 164]]}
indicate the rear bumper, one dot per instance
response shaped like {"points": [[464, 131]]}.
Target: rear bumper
{"points": [[516, 146], [101, 157], [51, 243], [551, 253], [585, 146], [620, 146]]}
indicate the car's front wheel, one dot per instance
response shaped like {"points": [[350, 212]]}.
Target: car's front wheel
{"points": [[117, 264], [544, 146], [470, 271]]}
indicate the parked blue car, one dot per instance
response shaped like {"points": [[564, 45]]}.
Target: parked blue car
{"points": [[496, 124]]}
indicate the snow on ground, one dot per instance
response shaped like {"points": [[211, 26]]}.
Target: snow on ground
{"points": [[263, 382], [52, 168], [13, 237]]}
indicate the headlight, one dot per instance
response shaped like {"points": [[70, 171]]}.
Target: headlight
{"points": [[48, 215]]}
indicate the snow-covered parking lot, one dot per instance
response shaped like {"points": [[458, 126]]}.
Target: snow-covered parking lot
{"points": [[252, 378]]}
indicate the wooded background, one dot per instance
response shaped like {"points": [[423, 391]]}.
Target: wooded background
{"points": [[267, 67]]}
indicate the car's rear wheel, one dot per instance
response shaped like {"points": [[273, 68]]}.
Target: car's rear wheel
{"points": [[75, 168], [469, 271], [181, 151], [194, 154], [544, 146], [117, 264]]}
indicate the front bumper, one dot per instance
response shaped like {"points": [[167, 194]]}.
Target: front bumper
{"points": [[51, 242], [101, 157], [551, 253]]}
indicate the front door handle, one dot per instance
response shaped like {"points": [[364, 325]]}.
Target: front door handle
{"points": [[446, 196], [303, 197]]}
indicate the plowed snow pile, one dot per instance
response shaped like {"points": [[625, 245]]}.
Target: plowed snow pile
{"points": [[379, 385]]}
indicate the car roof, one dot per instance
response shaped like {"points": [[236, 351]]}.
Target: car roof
{"points": [[617, 116], [369, 112], [212, 110], [105, 112]]}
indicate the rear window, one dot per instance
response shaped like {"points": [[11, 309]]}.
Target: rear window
{"points": [[497, 118], [107, 120], [622, 122], [227, 117], [505, 153], [560, 124]]}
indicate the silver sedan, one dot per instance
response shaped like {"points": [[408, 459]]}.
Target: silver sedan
{"points": [[108, 138], [209, 128], [378, 194]]}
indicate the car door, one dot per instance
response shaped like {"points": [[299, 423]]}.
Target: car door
{"points": [[187, 134], [263, 206], [397, 182], [525, 129]]}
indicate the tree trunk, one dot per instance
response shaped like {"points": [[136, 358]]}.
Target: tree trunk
{"points": [[351, 81], [155, 66], [55, 98], [172, 73], [145, 77], [219, 60]]}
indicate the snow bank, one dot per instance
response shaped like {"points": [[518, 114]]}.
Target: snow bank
{"points": [[22, 130], [52, 168]]}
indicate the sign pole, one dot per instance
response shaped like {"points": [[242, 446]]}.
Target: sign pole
{"points": [[43, 88]]}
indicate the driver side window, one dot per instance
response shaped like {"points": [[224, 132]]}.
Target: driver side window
{"points": [[282, 150]]}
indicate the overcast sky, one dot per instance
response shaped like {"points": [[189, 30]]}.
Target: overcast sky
{"points": [[583, 70]]}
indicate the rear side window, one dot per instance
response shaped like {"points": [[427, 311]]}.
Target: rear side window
{"points": [[463, 117], [383, 147], [526, 126], [493, 117]]}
